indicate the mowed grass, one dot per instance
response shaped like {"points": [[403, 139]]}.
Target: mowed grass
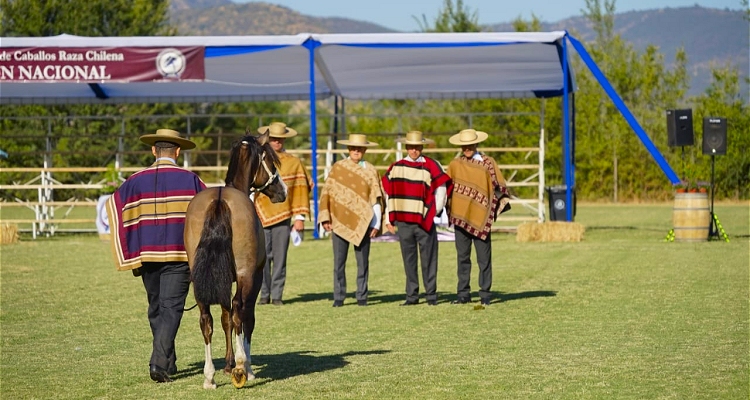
{"points": [[622, 315]]}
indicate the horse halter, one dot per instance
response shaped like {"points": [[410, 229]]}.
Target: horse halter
{"points": [[271, 176]]}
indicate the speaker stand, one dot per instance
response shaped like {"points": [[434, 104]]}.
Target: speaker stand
{"points": [[715, 230], [684, 178]]}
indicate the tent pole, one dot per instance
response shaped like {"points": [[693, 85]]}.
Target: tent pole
{"points": [[566, 135], [311, 46]]}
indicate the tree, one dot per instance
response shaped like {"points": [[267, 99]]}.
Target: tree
{"points": [[77, 142], [452, 18], [723, 99], [85, 17]]}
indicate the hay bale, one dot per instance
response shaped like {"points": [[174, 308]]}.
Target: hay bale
{"points": [[9, 233], [554, 231]]}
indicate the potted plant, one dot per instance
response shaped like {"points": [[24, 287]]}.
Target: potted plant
{"points": [[691, 184], [111, 180]]}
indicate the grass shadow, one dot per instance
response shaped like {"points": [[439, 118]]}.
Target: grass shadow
{"points": [[526, 295], [275, 367]]}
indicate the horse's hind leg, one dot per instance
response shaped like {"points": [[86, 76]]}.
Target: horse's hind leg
{"points": [[243, 329], [226, 324], [207, 327]]}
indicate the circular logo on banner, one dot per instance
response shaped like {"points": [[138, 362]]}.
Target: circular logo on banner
{"points": [[170, 63], [559, 204]]}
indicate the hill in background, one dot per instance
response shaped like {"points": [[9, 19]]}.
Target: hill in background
{"points": [[711, 37], [257, 18]]}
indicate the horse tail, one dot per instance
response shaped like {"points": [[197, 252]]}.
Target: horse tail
{"points": [[213, 269]]}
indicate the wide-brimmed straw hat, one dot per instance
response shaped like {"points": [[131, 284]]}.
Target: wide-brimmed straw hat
{"points": [[414, 137], [278, 130], [167, 135], [357, 140], [467, 137]]}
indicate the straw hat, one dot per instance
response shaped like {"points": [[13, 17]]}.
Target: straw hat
{"points": [[357, 140], [414, 137], [468, 136], [167, 135], [278, 130]]}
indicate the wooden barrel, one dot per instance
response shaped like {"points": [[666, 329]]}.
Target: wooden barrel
{"points": [[691, 217]]}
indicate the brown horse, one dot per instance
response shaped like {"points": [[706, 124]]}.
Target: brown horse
{"points": [[225, 243]]}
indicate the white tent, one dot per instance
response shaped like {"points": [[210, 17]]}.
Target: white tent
{"points": [[356, 66], [304, 67]]}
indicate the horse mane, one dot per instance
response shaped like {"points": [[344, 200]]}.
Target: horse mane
{"points": [[242, 153]]}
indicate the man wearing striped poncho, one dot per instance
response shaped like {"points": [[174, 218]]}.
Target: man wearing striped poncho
{"points": [[479, 195], [147, 219], [416, 189]]}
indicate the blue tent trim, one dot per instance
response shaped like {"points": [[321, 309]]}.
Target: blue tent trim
{"points": [[222, 51], [668, 171]]}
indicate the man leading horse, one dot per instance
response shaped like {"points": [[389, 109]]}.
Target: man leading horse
{"points": [[147, 216]]}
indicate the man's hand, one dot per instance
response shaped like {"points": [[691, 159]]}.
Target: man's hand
{"points": [[327, 226], [373, 232], [391, 228], [299, 225]]}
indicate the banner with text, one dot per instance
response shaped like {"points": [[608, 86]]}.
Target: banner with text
{"points": [[101, 64]]}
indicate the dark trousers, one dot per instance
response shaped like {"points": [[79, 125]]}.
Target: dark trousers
{"points": [[464, 240], [274, 273], [167, 287], [340, 253], [415, 240]]}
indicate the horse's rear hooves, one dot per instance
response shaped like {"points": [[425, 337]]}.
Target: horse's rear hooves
{"points": [[239, 377]]}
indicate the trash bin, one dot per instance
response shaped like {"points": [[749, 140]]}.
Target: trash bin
{"points": [[557, 205]]}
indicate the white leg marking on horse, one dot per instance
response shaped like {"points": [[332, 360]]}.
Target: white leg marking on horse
{"points": [[209, 370], [242, 354]]}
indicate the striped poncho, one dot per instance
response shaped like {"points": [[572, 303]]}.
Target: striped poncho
{"points": [[297, 201], [147, 215], [411, 186], [479, 194]]}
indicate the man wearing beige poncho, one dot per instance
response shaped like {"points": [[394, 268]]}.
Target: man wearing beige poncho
{"points": [[479, 195], [351, 207]]}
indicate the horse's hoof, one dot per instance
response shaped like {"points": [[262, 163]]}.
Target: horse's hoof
{"points": [[209, 385], [239, 377]]}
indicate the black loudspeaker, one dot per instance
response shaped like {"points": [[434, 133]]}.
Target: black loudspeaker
{"points": [[714, 136], [680, 127]]}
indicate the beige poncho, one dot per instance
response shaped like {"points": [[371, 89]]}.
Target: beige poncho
{"points": [[347, 198], [479, 194]]}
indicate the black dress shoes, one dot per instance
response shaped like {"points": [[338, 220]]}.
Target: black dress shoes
{"points": [[277, 302], [485, 302], [461, 300], [263, 301], [362, 303], [409, 303], [338, 303], [159, 374], [431, 302]]}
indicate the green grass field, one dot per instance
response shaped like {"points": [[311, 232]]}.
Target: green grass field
{"points": [[621, 315]]}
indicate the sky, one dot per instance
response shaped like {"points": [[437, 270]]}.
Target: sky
{"points": [[397, 14]]}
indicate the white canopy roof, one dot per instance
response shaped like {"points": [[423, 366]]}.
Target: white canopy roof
{"points": [[354, 66]]}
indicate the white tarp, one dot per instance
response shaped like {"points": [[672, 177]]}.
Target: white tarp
{"points": [[354, 66]]}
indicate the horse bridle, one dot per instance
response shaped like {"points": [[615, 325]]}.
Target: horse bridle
{"points": [[271, 176]]}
